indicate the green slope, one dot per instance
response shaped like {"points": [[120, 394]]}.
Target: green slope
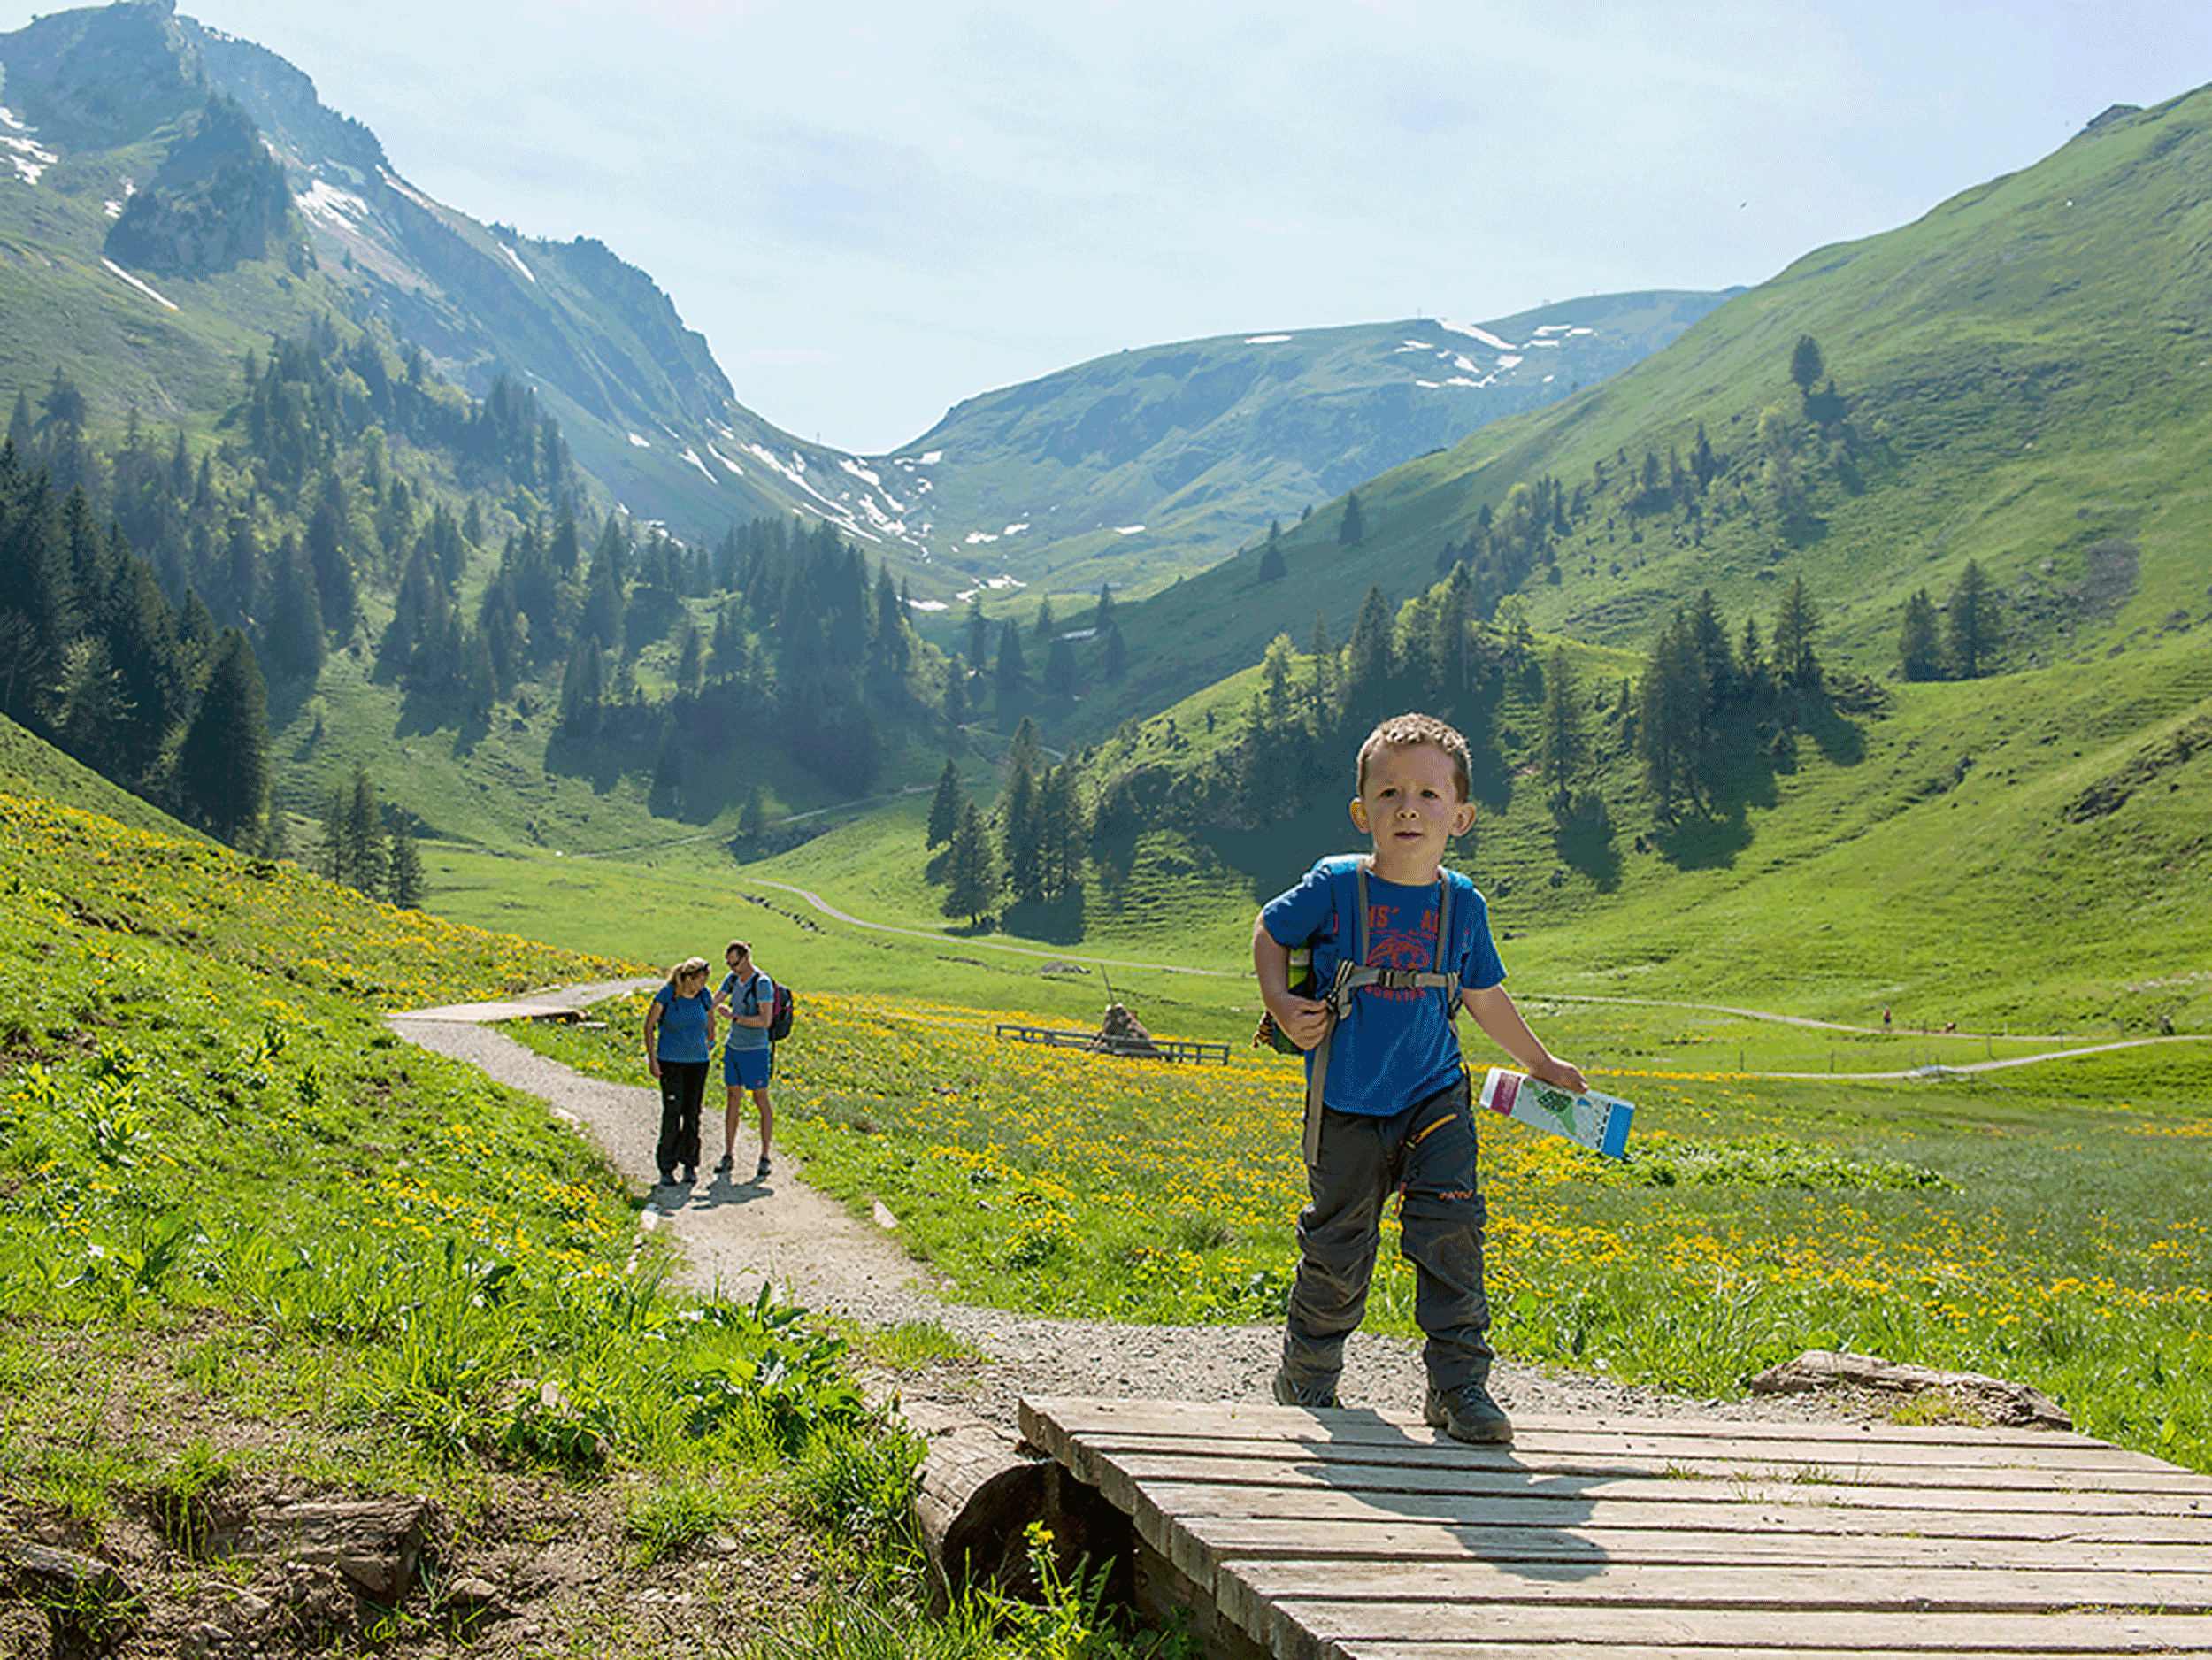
{"points": [[2025, 372]]}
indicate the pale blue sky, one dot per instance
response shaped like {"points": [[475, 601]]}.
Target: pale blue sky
{"points": [[875, 208]]}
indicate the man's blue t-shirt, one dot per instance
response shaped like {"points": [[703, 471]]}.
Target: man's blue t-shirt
{"points": [[683, 1028], [1392, 1048], [747, 997]]}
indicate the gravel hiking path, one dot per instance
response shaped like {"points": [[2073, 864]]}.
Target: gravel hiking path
{"points": [[736, 1235]]}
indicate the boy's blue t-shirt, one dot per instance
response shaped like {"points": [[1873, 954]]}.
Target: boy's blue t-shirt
{"points": [[683, 1028], [1392, 1048], [734, 992]]}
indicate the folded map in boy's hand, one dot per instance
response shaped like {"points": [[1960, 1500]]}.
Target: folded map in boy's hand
{"points": [[1598, 1122]]}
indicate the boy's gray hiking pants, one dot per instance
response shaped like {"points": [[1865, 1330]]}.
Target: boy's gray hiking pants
{"points": [[1427, 1153]]}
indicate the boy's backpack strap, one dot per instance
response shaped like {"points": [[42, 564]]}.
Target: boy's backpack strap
{"points": [[1352, 973]]}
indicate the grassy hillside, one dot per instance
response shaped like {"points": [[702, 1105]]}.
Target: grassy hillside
{"points": [[2026, 854], [2021, 377]]}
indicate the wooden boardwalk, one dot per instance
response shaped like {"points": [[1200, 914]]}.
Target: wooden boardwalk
{"points": [[1355, 1535]]}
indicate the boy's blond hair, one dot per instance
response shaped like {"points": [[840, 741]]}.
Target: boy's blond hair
{"points": [[1409, 731]]}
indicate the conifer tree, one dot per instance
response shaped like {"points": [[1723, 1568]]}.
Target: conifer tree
{"points": [[1919, 645], [1021, 837], [405, 881], [1026, 751], [1796, 627], [365, 859], [223, 765], [1368, 665], [1563, 748], [1351, 530], [944, 807], [971, 876], [1062, 833], [1012, 671], [1670, 719], [1060, 670], [1972, 631]]}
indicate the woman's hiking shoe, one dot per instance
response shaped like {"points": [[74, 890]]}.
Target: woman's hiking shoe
{"points": [[760, 1170], [722, 1169], [1288, 1394], [1467, 1413]]}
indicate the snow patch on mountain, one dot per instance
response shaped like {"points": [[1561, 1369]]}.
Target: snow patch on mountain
{"points": [[1474, 332], [324, 201], [31, 157], [140, 287], [533, 275]]}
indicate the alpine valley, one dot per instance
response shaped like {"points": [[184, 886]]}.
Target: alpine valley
{"points": [[1840, 634]]}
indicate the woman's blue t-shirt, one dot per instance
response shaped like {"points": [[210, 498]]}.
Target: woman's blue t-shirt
{"points": [[683, 1029], [1392, 1050]]}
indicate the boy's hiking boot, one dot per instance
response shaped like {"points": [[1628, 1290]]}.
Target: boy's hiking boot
{"points": [[1467, 1413], [1288, 1394]]}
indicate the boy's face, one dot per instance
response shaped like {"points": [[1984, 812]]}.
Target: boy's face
{"points": [[1411, 806]]}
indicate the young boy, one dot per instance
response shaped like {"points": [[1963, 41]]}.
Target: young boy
{"points": [[1393, 1109]]}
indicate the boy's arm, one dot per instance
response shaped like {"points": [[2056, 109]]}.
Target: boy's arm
{"points": [[1495, 1014], [1300, 1019]]}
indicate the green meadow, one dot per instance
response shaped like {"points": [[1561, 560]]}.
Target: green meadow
{"points": [[252, 1244], [2044, 1224]]}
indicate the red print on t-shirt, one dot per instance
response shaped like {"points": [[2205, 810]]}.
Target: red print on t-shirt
{"points": [[1390, 945]]}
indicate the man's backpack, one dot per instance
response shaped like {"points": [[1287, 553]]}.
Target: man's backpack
{"points": [[780, 1012]]}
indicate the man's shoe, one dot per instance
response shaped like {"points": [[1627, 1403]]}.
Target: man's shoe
{"points": [[1467, 1413], [668, 1178], [691, 1174], [1288, 1394]]}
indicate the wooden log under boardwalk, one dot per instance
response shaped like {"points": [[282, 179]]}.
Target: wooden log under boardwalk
{"points": [[1358, 1536]]}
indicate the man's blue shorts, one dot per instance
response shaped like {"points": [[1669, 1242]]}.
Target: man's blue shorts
{"points": [[747, 1069]]}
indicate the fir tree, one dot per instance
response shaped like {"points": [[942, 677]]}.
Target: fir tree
{"points": [[406, 880], [1919, 644], [1563, 746], [223, 765], [945, 807], [1796, 627], [1351, 530], [1972, 633], [971, 876]]}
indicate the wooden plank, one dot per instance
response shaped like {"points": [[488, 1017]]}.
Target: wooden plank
{"points": [[1294, 1431], [1902, 1484], [1245, 1590], [1693, 1505], [1177, 1419], [1661, 1455], [1241, 1538], [1369, 1537], [1304, 1630], [1651, 1652]]}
